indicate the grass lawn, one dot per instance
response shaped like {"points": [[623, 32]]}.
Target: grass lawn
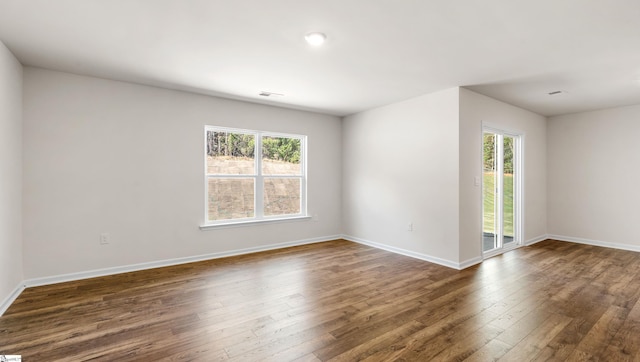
{"points": [[489, 200]]}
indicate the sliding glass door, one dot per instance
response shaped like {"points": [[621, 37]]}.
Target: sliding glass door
{"points": [[500, 190]]}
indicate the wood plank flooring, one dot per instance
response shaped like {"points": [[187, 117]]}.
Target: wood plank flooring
{"points": [[341, 301]]}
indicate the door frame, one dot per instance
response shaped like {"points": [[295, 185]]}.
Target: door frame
{"points": [[519, 139]]}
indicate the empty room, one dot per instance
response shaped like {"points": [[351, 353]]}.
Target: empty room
{"points": [[414, 180]]}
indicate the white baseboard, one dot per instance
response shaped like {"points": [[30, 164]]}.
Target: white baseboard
{"points": [[168, 262], [536, 240], [471, 262], [595, 242], [462, 265], [6, 303], [413, 254]]}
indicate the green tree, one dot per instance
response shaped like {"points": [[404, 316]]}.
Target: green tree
{"points": [[281, 148], [230, 144], [508, 154], [489, 152]]}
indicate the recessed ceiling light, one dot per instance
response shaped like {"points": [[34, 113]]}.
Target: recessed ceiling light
{"points": [[316, 38]]}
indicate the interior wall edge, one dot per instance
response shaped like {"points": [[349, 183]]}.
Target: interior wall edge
{"points": [[15, 293], [11, 179], [470, 262], [536, 240]]}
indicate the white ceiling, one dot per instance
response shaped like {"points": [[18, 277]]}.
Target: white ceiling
{"points": [[377, 52]]}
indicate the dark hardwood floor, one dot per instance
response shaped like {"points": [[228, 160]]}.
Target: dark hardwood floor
{"points": [[345, 302]]}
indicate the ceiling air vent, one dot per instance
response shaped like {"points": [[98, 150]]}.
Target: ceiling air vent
{"points": [[555, 92], [269, 94]]}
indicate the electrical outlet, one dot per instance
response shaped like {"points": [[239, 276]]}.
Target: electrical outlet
{"points": [[104, 238], [410, 227], [315, 217]]}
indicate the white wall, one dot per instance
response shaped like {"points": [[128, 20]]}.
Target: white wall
{"points": [[415, 161], [107, 156], [475, 109], [400, 165], [593, 177], [10, 173]]}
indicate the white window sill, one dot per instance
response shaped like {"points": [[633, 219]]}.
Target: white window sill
{"points": [[235, 224]]}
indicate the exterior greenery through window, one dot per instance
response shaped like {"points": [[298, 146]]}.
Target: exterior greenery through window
{"points": [[253, 175]]}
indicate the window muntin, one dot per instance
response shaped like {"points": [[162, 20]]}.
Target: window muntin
{"points": [[253, 175]]}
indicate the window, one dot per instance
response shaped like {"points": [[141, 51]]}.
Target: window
{"points": [[253, 176]]}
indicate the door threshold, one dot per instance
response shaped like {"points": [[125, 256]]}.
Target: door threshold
{"points": [[495, 252]]}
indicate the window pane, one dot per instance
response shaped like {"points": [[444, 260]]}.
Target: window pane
{"points": [[281, 196], [489, 234], [230, 153], [281, 156], [231, 198], [507, 191]]}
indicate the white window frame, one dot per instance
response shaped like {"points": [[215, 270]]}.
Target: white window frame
{"points": [[258, 177]]}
